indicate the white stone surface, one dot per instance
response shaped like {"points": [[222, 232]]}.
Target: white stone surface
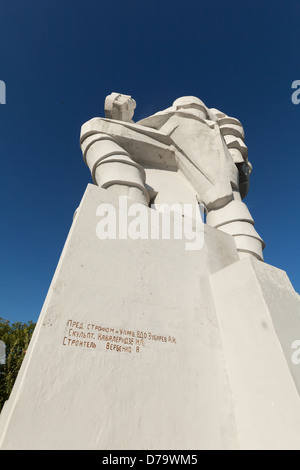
{"points": [[249, 298], [220, 380], [70, 397]]}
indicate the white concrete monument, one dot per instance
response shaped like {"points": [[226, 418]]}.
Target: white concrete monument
{"points": [[160, 331]]}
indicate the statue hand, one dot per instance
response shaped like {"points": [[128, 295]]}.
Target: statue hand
{"points": [[119, 107]]}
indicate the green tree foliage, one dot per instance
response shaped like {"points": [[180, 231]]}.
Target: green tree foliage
{"points": [[16, 337]]}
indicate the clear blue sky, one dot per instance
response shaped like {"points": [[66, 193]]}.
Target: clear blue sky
{"points": [[61, 58]]}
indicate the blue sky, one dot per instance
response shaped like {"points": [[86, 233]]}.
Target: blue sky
{"points": [[60, 59]]}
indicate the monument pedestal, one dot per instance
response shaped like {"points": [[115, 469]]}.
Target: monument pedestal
{"points": [[142, 344], [258, 315]]}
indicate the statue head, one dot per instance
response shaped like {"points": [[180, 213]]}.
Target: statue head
{"points": [[188, 102]]}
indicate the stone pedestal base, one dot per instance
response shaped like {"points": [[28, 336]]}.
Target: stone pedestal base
{"points": [[258, 315], [142, 344]]}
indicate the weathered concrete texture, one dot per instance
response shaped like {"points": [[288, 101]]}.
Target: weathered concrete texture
{"points": [[142, 344]]}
